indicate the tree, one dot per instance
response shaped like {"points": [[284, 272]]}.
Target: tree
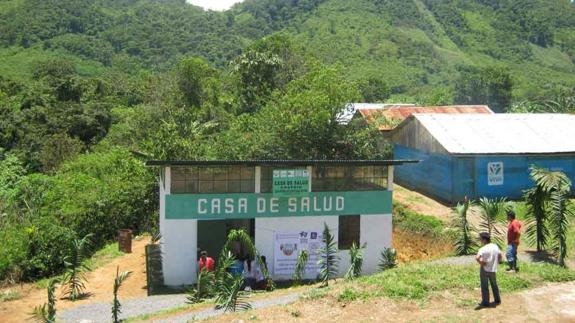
{"points": [[74, 278], [489, 85], [356, 261], [328, 258], [58, 149], [197, 81], [118, 281], [374, 89], [47, 312], [492, 212], [548, 209], [299, 269], [465, 243]]}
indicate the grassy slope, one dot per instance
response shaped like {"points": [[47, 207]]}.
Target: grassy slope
{"points": [[354, 34]]}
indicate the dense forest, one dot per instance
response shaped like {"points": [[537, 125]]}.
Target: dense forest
{"points": [[90, 90]]}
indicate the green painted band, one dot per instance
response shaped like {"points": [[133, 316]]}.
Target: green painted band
{"points": [[242, 206]]}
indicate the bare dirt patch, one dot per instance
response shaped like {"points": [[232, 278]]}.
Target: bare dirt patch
{"points": [[100, 285], [551, 303], [412, 247]]}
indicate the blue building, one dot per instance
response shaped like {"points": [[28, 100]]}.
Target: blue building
{"points": [[478, 155]]}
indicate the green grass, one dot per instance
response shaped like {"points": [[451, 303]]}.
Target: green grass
{"points": [[420, 280], [100, 258], [150, 316], [9, 295], [414, 222]]}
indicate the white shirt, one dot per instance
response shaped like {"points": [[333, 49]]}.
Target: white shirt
{"points": [[255, 273], [490, 255]]}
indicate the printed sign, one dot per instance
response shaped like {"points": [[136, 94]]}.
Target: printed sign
{"points": [[290, 182], [495, 173], [288, 246], [250, 205]]}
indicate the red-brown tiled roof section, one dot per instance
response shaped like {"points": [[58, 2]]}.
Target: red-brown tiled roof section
{"points": [[397, 114]]}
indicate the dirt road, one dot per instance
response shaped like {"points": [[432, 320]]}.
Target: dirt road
{"points": [[100, 284]]}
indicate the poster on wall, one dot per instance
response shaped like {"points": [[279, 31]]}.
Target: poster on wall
{"points": [[287, 247], [495, 173]]}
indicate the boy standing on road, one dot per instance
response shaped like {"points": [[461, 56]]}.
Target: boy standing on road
{"points": [[513, 235], [488, 257]]}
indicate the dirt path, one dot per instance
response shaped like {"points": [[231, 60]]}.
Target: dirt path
{"points": [[100, 284], [550, 303]]}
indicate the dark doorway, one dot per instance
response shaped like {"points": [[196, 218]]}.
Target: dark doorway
{"points": [[212, 234]]}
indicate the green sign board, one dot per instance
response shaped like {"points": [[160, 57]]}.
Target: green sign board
{"points": [[250, 205], [290, 182]]}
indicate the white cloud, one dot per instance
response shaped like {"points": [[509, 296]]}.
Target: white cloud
{"points": [[214, 4]]}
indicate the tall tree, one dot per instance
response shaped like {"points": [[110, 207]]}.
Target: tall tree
{"points": [[488, 85]]}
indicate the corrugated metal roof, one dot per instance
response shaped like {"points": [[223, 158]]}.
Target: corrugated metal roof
{"points": [[345, 116], [502, 133], [397, 114]]}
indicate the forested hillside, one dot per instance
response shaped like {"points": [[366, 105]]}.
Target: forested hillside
{"points": [[90, 90]]}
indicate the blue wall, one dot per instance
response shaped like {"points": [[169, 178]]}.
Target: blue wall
{"points": [[451, 178]]}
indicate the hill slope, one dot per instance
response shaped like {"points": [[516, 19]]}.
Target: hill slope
{"points": [[417, 46]]}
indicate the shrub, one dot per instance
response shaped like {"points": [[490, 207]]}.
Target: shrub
{"points": [[48, 243], [387, 259]]}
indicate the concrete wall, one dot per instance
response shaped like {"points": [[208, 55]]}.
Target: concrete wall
{"points": [[375, 230]]}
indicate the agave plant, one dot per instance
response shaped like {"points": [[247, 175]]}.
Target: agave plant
{"points": [[356, 261], [387, 259], [299, 271], [492, 214], [328, 260], [47, 312], [74, 278], [118, 281], [464, 243]]}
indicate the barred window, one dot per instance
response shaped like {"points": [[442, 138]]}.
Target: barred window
{"points": [[345, 178], [348, 232], [205, 179]]}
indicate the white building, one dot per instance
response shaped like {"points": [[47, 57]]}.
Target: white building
{"points": [[283, 205]]}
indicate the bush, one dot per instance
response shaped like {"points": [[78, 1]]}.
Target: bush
{"points": [[48, 243]]}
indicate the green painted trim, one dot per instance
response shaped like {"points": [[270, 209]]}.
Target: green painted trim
{"points": [[245, 206]]}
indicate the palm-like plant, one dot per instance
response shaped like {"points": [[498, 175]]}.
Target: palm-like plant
{"points": [[387, 259], [204, 287], [230, 296], [536, 198], [464, 243], [74, 278], [47, 312], [492, 214], [356, 261], [118, 281], [328, 260], [299, 271]]}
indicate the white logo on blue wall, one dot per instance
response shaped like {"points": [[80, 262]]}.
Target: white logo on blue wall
{"points": [[495, 173]]}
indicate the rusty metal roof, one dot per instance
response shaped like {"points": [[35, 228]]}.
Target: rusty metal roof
{"points": [[397, 113]]}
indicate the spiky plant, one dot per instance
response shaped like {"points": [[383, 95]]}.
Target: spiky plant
{"points": [[118, 281], [74, 278], [537, 231], [387, 259], [204, 287], [47, 312], [230, 296], [299, 271], [464, 243], [328, 260], [356, 261], [492, 215]]}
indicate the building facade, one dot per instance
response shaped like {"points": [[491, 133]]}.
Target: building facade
{"points": [[481, 155], [283, 205]]}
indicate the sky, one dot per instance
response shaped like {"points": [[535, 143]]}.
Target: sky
{"points": [[214, 4]]}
